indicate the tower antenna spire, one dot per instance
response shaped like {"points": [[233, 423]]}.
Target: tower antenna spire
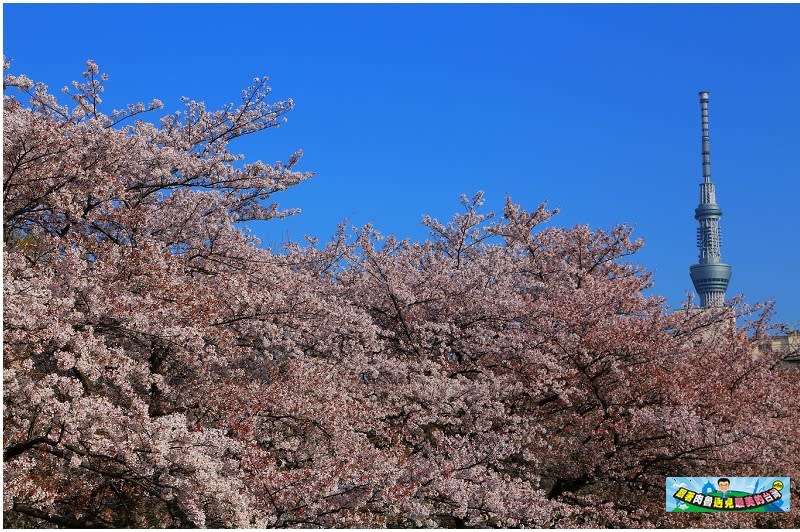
{"points": [[706, 140], [710, 275]]}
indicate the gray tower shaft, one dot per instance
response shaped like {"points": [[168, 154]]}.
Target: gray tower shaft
{"points": [[710, 276]]}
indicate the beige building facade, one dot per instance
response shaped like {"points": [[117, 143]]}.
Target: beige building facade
{"points": [[788, 344]]}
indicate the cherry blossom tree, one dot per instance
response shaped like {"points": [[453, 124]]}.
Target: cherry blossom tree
{"points": [[163, 369], [551, 390], [141, 325]]}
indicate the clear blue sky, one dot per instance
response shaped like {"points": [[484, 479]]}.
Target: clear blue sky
{"points": [[401, 108]]}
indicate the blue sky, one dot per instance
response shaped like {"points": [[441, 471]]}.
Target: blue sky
{"points": [[401, 108]]}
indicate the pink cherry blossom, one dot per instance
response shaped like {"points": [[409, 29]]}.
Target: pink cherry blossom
{"points": [[163, 370]]}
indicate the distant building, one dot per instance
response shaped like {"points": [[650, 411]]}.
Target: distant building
{"points": [[788, 344]]}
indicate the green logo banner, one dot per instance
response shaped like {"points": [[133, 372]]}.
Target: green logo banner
{"points": [[728, 494]]}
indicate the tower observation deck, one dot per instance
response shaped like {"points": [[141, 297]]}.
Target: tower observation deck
{"points": [[710, 275]]}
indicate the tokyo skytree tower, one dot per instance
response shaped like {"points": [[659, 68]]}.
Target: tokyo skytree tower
{"points": [[710, 276]]}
